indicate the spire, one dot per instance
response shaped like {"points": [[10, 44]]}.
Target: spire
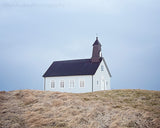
{"points": [[96, 51], [96, 42]]}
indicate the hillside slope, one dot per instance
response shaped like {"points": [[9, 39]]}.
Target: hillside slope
{"points": [[103, 109]]}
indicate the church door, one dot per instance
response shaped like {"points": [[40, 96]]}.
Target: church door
{"points": [[102, 84]]}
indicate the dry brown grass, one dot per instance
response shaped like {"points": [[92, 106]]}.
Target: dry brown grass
{"points": [[103, 109]]}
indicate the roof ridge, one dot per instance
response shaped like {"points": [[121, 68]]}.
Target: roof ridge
{"points": [[72, 60]]}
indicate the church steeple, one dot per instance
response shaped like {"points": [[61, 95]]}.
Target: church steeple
{"points": [[96, 51]]}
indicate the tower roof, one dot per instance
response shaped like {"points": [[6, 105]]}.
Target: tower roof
{"points": [[97, 42]]}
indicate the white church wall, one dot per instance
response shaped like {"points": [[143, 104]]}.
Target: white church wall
{"points": [[101, 79], [68, 84]]}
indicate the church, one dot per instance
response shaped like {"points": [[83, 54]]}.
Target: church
{"points": [[79, 76]]}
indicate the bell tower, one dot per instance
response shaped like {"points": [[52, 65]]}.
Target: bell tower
{"points": [[96, 53]]}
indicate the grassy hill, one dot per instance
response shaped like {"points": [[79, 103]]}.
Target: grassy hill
{"points": [[103, 109]]}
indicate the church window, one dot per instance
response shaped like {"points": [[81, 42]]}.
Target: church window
{"points": [[71, 84], [81, 83], [97, 82], [102, 68], [61, 84], [52, 84]]}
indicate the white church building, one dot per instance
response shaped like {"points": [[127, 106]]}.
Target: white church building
{"points": [[79, 76]]}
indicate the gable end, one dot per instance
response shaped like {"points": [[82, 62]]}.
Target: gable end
{"points": [[107, 67]]}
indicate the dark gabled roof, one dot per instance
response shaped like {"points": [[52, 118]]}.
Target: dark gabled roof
{"points": [[72, 67]]}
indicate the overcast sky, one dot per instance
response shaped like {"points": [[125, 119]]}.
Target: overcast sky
{"points": [[34, 33]]}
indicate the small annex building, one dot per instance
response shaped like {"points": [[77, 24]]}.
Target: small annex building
{"points": [[79, 76]]}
